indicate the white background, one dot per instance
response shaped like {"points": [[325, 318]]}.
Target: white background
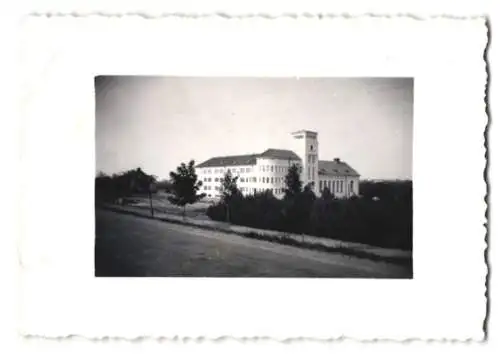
{"points": [[446, 129]]}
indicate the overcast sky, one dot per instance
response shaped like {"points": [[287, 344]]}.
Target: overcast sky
{"points": [[158, 122]]}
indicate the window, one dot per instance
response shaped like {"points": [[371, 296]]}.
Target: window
{"points": [[254, 179], [216, 179], [272, 168], [209, 171], [267, 179], [209, 179], [233, 170], [248, 169], [321, 185], [242, 179]]}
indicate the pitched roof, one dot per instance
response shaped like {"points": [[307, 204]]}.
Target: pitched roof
{"points": [[336, 167], [251, 159], [280, 154], [237, 160]]}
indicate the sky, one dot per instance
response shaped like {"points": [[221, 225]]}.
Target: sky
{"points": [[156, 123]]}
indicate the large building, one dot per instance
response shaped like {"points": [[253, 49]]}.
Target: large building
{"points": [[267, 170]]}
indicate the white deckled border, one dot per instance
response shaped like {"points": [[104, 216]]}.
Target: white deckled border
{"points": [[59, 58]]}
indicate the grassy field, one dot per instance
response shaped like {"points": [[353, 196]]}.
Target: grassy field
{"points": [[161, 204]]}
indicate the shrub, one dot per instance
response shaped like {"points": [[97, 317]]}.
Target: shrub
{"points": [[386, 222]]}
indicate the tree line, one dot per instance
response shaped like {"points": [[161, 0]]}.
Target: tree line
{"points": [[110, 188], [382, 215]]}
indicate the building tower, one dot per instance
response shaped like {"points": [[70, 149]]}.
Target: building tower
{"points": [[306, 147]]}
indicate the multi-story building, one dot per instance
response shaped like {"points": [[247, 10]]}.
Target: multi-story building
{"points": [[267, 170]]}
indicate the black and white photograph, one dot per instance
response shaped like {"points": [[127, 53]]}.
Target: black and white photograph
{"points": [[253, 177]]}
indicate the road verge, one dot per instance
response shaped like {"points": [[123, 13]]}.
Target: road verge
{"points": [[401, 258]]}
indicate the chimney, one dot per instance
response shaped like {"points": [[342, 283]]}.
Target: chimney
{"points": [[336, 159]]}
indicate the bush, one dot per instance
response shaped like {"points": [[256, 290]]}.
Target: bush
{"points": [[386, 222]]}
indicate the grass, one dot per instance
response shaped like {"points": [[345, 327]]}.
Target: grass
{"points": [[282, 239]]}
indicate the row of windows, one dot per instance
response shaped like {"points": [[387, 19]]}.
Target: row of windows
{"points": [[311, 158], [276, 191], [221, 179], [249, 189], [310, 173], [273, 168], [335, 185], [271, 180], [262, 168], [234, 170]]}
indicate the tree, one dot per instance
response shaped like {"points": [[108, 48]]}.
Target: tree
{"points": [[293, 183], [303, 204], [145, 183], [185, 186], [164, 185], [229, 189], [326, 194]]}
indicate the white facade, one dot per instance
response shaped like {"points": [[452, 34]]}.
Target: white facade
{"points": [[260, 172], [265, 174], [340, 186]]}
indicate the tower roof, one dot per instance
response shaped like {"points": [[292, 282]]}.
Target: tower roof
{"points": [[307, 133]]}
